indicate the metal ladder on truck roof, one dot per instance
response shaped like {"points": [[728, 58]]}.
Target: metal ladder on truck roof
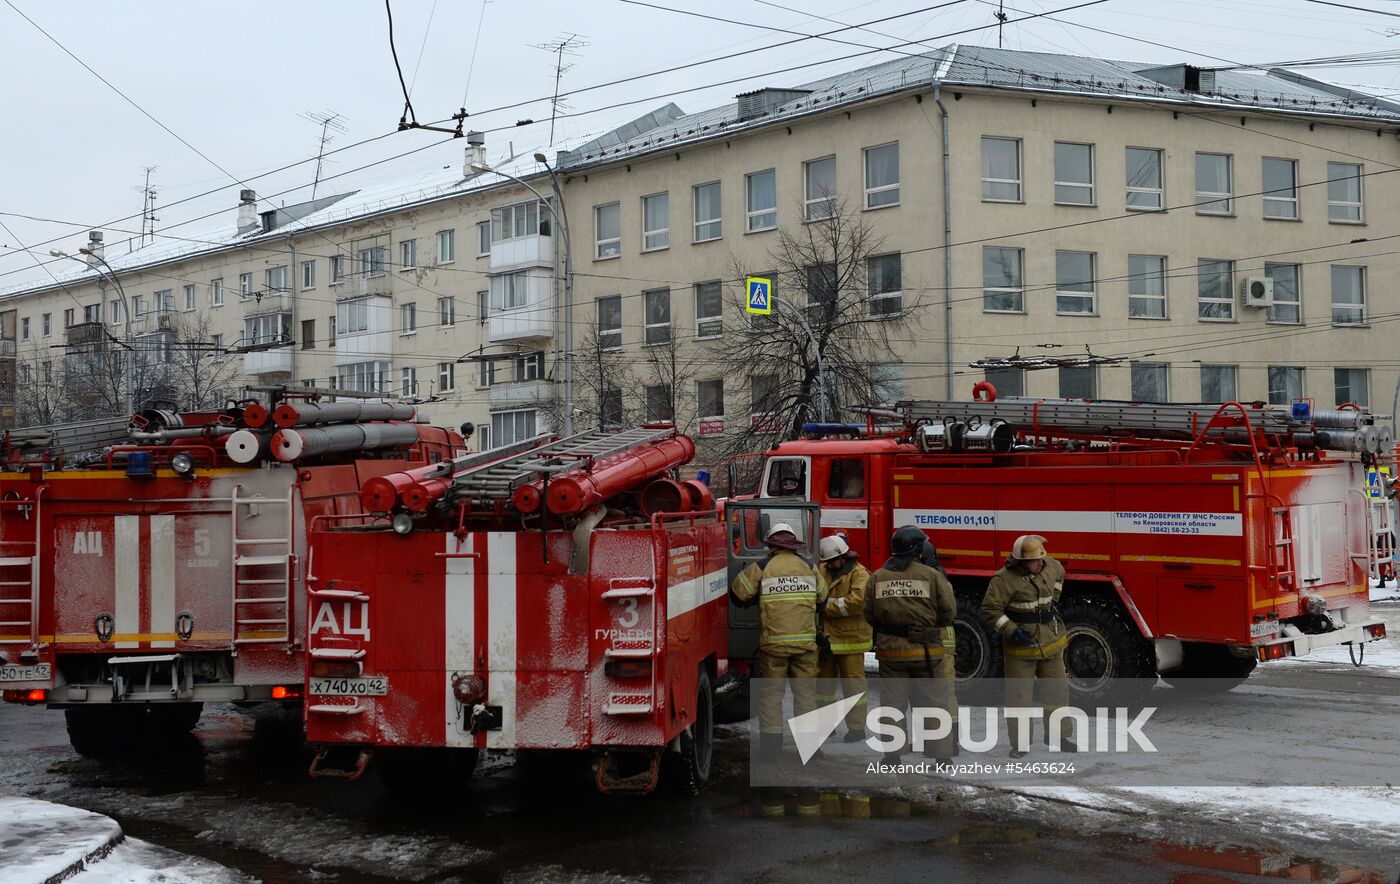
{"points": [[262, 614], [14, 555], [498, 479]]}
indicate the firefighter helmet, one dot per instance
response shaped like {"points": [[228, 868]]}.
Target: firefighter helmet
{"points": [[782, 536], [907, 540], [833, 547], [928, 553], [1028, 548]]}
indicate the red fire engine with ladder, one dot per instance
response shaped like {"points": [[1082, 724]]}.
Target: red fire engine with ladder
{"points": [[1198, 540], [558, 594], [165, 569]]}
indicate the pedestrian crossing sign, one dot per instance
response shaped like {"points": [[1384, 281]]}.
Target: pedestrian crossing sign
{"points": [[760, 295]]}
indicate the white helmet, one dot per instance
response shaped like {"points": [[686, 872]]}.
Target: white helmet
{"points": [[779, 529], [832, 547]]}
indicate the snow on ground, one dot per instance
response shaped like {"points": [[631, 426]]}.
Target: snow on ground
{"points": [[1388, 593], [140, 862], [39, 840]]}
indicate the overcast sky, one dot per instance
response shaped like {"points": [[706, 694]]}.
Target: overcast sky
{"points": [[232, 80]]}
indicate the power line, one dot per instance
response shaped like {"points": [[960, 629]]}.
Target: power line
{"points": [[1356, 8]]}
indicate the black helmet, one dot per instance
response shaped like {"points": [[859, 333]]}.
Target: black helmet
{"points": [[907, 541], [928, 553]]}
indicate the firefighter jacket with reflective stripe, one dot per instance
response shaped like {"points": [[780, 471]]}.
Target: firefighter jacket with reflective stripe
{"points": [[1017, 598], [907, 610], [788, 591], [848, 632]]}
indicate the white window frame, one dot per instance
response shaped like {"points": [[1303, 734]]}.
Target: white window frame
{"points": [[1339, 307], [1225, 370], [1020, 171], [646, 316], [1092, 294], [1089, 185], [717, 220], [1018, 291], [485, 373], [1302, 390], [754, 219], [116, 311], [1272, 314], [609, 333], [1359, 205], [24, 328], [875, 195], [46, 324], [524, 424], [700, 399], [821, 206], [1365, 374], [1211, 202], [1144, 297], [245, 285], [483, 306], [1159, 191], [308, 274], [447, 377], [510, 291], [656, 239], [447, 312], [216, 293], [1093, 380], [880, 299], [709, 326], [337, 269], [408, 254], [529, 367], [1162, 368], [484, 238], [408, 382], [355, 313], [606, 248], [1287, 201], [191, 299], [1228, 299], [408, 318], [372, 261], [447, 246]]}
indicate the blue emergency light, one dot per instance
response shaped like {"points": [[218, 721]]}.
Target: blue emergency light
{"points": [[138, 465], [1301, 410], [820, 430]]}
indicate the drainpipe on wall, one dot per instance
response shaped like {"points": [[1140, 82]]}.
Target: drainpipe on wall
{"points": [[947, 249], [292, 272]]}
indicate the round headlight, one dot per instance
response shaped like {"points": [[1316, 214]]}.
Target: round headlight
{"points": [[183, 464], [403, 523]]}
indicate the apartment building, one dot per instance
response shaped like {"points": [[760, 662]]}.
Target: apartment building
{"points": [[1204, 235]]}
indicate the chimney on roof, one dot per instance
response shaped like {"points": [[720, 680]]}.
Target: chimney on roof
{"points": [[1182, 77], [93, 252], [766, 100], [247, 211], [476, 153]]}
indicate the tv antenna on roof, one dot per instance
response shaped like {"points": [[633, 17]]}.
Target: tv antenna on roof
{"points": [[566, 44], [148, 206], [329, 121]]}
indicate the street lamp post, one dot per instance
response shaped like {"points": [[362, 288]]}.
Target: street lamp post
{"points": [[127, 358], [562, 216]]}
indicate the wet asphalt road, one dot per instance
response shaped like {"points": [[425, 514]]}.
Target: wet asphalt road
{"points": [[236, 792]]}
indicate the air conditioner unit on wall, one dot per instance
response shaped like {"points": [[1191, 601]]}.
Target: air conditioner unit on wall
{"points": [[1257, 291]]}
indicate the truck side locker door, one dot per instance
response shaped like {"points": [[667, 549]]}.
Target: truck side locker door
{"points": [[843, 487], [747, 522]]}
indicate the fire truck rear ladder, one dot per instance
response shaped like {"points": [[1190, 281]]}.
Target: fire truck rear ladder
{"points": [[13, 557], [496, 480], [271, 610]]}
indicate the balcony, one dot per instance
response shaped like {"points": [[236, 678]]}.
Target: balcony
{"points": [[375, 314], [7, 348], [531, 314], [520, 393], [260, 362], [521, 252], [85, 333], [270, 302], [154, 321]]}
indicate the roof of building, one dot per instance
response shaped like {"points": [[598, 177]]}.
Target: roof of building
{"points": [[666, 128]]}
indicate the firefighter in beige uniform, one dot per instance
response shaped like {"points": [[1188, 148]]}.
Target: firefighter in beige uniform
{"points": [[1021, 604], [909, 605], [788, 591], [845, 634]]}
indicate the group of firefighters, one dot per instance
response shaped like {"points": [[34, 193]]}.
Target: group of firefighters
{"points": [[817, 623]]}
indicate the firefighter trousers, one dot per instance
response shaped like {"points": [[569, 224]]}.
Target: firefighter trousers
{"points": [[775, 671], [907, 683], [1023, 673], [846, 672]]}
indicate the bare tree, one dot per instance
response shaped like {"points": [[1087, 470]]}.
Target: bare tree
{"points": [[40, 392], [838, 303], [201, 374], [604, 382]]}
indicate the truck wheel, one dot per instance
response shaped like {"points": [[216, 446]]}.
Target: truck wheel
{"points": [[421, 773], [978, 648], [731, 699], [689, 771], [1105, 656], [88, 734], [1209, 669], [173, 720]]}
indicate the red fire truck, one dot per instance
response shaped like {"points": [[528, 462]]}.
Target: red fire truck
{"points": [[158, 574], [1198, 540], [560, 594]]}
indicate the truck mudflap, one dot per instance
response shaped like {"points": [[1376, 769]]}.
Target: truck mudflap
{"points": [[1296, 643]]}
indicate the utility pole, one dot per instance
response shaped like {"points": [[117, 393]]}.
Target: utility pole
{"points": [[560, 47], [329, 121], [1000, 16]]}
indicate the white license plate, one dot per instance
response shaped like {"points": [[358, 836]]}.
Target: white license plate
{"points": [[365, 686], [40, 672], [1263, 629]]}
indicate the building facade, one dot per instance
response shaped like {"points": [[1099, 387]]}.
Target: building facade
{"points": [[1192, 235]]}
